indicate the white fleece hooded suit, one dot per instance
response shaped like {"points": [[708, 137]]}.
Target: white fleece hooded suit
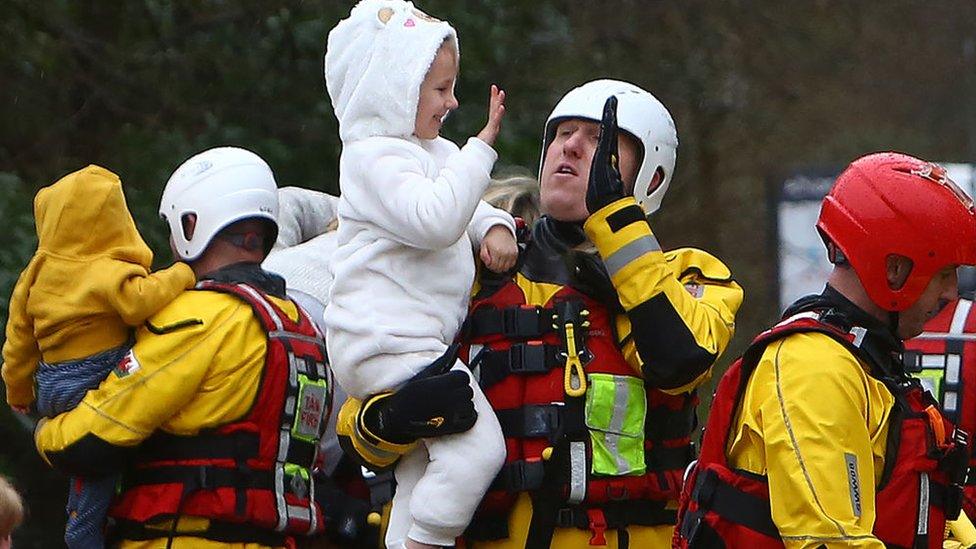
{"points": [[409, 220]]}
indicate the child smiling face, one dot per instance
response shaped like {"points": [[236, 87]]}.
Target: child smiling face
{"points": [[437, 93]]}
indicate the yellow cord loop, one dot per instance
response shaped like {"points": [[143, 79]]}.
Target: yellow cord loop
{"points": [[574, 381]]}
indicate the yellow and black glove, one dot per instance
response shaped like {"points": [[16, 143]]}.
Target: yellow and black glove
{"points": [[421, 408], [605, 185]]}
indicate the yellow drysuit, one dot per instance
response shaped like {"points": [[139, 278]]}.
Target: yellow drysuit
{"points": [[198, 363]]}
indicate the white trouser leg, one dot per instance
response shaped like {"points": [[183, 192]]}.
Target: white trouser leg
{"points": [[461, 467], [408, 471]]}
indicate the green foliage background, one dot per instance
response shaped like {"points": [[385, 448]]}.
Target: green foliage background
{"points": [[757, 88]]}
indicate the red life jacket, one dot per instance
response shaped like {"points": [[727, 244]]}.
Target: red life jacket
{"points": [[943, 357], [521, 352], [251, 477], [726, 507]]}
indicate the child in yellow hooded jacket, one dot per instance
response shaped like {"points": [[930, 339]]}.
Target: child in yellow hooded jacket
{"points": [[73, 308]]}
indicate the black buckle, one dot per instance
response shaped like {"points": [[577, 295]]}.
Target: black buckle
{"points": [[521, 321], [544, 420], [527, 358], [203, 478], [520, 476], [532, 421], [955, 461], [566, 518], [704, 489]]}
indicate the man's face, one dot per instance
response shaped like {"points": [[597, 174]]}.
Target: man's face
{"points": [[941, 290], [566, 168]]}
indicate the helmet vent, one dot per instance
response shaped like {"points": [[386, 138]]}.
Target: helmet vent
{"points": [[188, 224], [655, 181]]}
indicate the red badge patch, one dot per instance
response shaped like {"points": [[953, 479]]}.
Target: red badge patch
{"points": [[128, 365]]}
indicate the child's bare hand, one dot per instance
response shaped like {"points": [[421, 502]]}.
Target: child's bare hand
{"points": [[498, 249], [496, 110], [20, 409]]}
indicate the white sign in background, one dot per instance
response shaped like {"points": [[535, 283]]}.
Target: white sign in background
{"points": [[803, 265]]}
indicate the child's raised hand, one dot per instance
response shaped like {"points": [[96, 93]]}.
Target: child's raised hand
{"points": [[496, 110], [498, 249]]}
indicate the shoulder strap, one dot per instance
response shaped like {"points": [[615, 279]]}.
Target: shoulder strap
{"points": [[273, 319]]}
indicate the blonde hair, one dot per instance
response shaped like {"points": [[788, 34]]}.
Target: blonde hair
{"points": [[518, 195], [11, 508]]}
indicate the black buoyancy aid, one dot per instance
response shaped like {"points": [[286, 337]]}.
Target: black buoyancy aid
{"points": [[943, 357], [530, 357], [251, 477], [924, 459]]}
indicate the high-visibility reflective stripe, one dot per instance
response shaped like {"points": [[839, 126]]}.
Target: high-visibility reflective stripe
{"points": [[923, 505], [313, 523], [798, 316], [952, 368], [263, 303], [946, 335], [292, 335], [577, 472], [959, 316], [620, 398], [283, 440], [378, 454], [299, 513], [631, 251], [280, 498]]}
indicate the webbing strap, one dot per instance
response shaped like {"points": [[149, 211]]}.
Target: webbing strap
{"points": [[619, 514], [227, 532], [200, 477], [734, 505], [533, 357], [168, 447], [520, 476]]}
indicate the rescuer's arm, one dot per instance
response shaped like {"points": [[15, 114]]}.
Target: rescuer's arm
{"points": [[822, 425], [159, 376], [377, 431], [681, 305]]}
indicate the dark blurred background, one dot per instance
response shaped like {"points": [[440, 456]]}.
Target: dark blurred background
{"points": [[758, 89]]}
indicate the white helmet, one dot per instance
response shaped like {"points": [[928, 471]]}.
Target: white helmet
{"points": [[220, 186], [638, 113]]}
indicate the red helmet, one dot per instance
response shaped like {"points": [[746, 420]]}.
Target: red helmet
{"points": [[893, 204]]}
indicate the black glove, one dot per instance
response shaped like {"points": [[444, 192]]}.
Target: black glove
{"points": [[427, 407], [346, 521], [605, 185]]}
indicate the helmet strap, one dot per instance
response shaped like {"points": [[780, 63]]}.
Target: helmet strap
{"points": [[834, 255], [250, 241], [893, 318]]}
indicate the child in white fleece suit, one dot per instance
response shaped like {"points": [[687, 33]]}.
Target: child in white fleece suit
{"points": [[410, 218]]}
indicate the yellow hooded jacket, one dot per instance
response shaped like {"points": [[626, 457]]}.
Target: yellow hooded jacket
{"points": [[87, 283]]}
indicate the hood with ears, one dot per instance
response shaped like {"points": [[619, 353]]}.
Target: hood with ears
{"points": [[375, 62]]}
